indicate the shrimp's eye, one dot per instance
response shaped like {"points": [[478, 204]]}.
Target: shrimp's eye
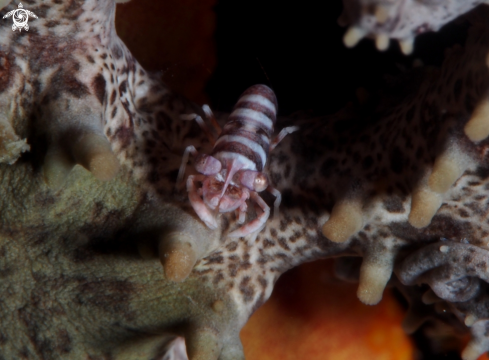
{"points": [[260, 183]]}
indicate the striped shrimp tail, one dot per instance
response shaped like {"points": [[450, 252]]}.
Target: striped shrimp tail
{"points": [[248, 132]]}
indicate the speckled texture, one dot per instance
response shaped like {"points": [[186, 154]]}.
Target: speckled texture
{"points": [[399, 19], [79, 259]]}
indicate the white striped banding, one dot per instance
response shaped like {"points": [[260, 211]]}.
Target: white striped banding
{"points": [[255, 147], [247, 134], [228, 155], [265, 139], [254, 115], [258, 99]]}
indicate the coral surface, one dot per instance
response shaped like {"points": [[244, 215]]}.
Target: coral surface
{"points": [[404, 187]]}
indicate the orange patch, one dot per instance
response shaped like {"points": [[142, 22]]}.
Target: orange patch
{"points": [[312, 316]]}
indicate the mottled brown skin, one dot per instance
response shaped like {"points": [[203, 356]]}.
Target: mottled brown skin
{"points": [[81, 278]]}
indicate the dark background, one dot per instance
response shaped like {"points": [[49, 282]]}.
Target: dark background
{"points": [[296, 48]]}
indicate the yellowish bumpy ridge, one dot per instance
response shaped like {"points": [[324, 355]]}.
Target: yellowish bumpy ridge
{"points": [[93, 152], [449, 166], [57, 166], [382, 42], [346, 219], [177, 255], [375, 272], [353, 35], [203, 344], [472, 351], [424, 205], [477, 128], [407, 45]]}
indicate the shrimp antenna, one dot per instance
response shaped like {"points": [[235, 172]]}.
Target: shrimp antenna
{"points": [[264, 72]]}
